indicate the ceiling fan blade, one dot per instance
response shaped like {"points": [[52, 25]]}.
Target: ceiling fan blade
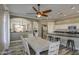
{"points": [[35, 9], [44, 15], [46, 11]]}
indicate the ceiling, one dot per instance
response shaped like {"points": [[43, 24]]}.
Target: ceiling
{"points": [[59, 11]]}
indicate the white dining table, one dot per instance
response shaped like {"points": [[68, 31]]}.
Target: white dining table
{"points": [[38, 44]]}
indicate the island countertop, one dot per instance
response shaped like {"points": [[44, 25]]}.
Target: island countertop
{"points": [[65, 35]]}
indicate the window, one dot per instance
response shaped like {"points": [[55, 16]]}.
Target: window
{"points": [[20, 25], [18, 28]]}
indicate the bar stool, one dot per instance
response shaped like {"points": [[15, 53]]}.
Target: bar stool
{"points": [[57, 39], [72, 44], [50, 38]]}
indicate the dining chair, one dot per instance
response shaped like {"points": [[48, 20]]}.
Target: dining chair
{"points": [[54, 48], [27, 50]]}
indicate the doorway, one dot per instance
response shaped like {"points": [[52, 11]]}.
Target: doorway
{"points": [[44, 30]]}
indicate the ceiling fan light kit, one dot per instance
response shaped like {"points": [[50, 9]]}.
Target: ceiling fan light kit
{"points": [[38, 15]]}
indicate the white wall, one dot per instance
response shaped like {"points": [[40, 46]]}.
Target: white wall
{"points": [[65, 23], [65, 26], [50, 27], [35, 25]]}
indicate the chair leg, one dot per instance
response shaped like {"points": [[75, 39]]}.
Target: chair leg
{"points": [[73, 46]]}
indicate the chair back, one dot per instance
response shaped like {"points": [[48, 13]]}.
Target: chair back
{"points": [[25, 44], [54, 48]]}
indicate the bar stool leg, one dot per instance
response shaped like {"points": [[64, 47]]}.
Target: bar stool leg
{"points": [[73, 46], [67, 45]]}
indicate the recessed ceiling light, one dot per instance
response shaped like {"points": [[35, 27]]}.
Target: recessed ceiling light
{"points": [[59, 13], [64, 15], [73, 7]]}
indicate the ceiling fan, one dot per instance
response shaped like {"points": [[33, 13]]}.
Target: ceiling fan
{"points": [[40, 13]]}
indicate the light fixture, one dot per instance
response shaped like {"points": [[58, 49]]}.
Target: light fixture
{"points": [[64, 15], [38, 15]]}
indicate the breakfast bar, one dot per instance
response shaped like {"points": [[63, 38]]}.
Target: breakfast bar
{"points": [[65, 37]]}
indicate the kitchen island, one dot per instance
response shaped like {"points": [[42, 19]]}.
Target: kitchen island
{"points": [[66, 36]]}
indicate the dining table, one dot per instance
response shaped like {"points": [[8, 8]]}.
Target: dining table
{"points": [[38, 44]]}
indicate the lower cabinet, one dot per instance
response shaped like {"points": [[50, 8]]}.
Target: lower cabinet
{"points": [[64, 39]]}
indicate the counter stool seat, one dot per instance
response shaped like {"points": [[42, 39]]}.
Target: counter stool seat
{"points": [[57, 39], [50, 38]]}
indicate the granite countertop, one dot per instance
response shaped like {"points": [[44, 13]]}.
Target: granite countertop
{"points": [[65, 35]]}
